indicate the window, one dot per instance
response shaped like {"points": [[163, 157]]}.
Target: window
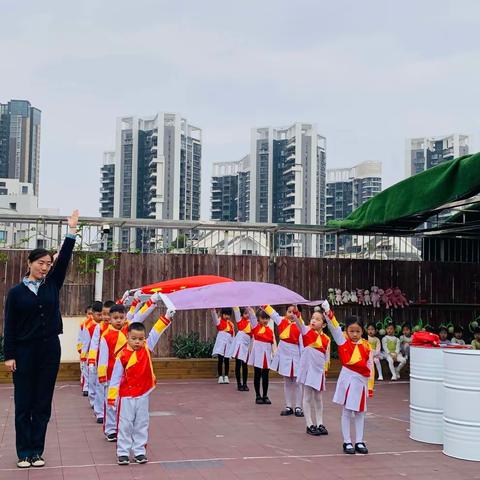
{"points": [[24, 190]]}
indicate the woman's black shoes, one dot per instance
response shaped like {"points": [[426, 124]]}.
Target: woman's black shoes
{"points": [[242, 388], [298, 412], [361, 448], [266, 401], [259, 401], [24, 463], [285, 413], [37, 461], [348, 449], [245, 388]]}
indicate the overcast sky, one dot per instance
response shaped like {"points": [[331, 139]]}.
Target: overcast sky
{"points": [[368, 73]]}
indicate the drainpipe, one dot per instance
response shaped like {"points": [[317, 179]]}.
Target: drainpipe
{"points": [[99, 280]]}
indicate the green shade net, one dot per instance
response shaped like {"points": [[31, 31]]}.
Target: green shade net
{"points": [[409, 203]]}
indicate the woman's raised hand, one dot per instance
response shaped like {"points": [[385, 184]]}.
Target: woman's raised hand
{"points": [[73, 221]]}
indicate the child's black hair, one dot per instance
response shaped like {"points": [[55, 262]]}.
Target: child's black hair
{"points": [[108, 304], [442, 329], [429, 329], [137, 326], [353, 319], [476, 330], [226, 311], [458, 329], [371, 325], [406, 325], [97, 307], [117, 308], [262, 314], [87, 308]]}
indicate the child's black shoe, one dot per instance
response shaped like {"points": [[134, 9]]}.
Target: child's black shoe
{"points": [[322, 430], [100, 420], [266, 401], [245, 388], [259, 401], [361, 448], [123, 460], [312, 430], [141, 459], [298, 412], [111, 437], [348, 449], [285, 413]]}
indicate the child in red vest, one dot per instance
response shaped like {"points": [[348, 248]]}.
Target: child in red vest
{"points": [[81, 335], [355, 382], [88, 331], [132, 382], [223, 342], [311, 372], [111, 343], [100, 328], [261, 354], [240, 347], [287, 358]]}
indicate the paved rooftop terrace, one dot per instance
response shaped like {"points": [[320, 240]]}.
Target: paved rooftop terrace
{"points": [[201, 430]]}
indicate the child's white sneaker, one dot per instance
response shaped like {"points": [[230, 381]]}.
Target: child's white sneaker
{"points": [[225, 379], [220, 379], [380, 379]]}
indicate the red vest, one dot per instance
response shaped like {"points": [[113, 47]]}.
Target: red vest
{"points": [[225, 326], [263, 334], [288, 332], [245, 326], [138, 377], [116, 340], [354, 356], [316, 340]]}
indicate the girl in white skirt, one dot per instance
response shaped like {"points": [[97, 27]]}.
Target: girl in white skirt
{"points": [[223, 342], [287, 358], [353, 385], [240, 347], [261, 354], [311, 372]]}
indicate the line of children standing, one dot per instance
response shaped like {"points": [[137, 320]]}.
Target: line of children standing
{"points": [[124, 371]]}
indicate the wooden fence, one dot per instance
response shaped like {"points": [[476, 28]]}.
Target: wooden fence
{"points": [[441, 292]]}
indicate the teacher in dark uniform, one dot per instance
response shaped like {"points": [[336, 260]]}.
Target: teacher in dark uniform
{"points": [[32, 347]]}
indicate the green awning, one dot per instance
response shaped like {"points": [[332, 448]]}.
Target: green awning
{"points": [[409, 203]]}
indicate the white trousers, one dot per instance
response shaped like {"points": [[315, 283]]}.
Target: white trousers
{"points": [[84, 374], [98, 391], [133, 422], [110, 420], [401, 363], [312, 406]]}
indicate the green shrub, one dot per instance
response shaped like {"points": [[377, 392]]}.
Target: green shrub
{"points": [[190, 346]]}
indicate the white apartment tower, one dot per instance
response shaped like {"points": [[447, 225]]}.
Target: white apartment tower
{"points": [[287, 179], [426, 152], [157, 169]]}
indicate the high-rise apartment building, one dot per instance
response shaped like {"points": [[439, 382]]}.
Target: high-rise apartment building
{"points": [[281, 181], [20, 142], [231, 191], [157, 168], [287, 179], [347, 189], [107, 184], [427, 152]]}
